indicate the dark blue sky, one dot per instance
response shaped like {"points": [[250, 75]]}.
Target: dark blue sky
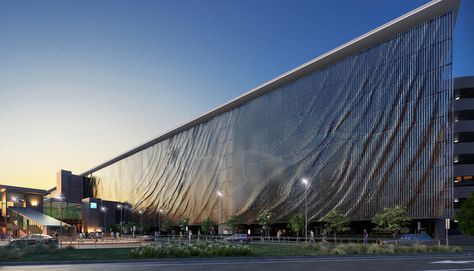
{"points": [[81, 81]]}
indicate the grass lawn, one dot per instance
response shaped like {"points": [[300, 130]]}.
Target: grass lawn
{"points": [[78, 254]]}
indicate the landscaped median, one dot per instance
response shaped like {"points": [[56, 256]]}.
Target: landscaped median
{"points": [[199, 249], [209, 249], [318, 249]]}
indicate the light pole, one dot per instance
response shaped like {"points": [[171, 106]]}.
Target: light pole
{"points": [[15, 200], [159, 225], [141, 221], [60, 198], [306, 184], [220, 195], [104, 210], [120, 206]]}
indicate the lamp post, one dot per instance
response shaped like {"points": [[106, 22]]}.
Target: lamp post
{"points": [[141, 221], [159, 212], [220, 195], [306, 184], [120, 206], [15, 200], [104, 210], [60, 198]]}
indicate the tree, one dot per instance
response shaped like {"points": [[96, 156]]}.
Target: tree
{"points": [[392, 220], [206, 225], [465, 216], [232, 222], [128, 227], [183, 223], [336, 222], [166, 225], [265, 219], [296, 224]]}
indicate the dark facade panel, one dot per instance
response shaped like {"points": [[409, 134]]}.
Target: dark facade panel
{"points": [[370, 131]]}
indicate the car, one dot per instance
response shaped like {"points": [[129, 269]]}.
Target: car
{"points": [[238, 238], [35, 239], [147, 238], [412, 239]]}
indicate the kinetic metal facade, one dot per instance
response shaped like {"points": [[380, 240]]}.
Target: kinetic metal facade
{"points": [[370, 131]]}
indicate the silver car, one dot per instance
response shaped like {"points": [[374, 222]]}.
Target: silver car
{"points": [[35, 239]]}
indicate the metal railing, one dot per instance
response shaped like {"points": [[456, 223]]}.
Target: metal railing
{"points": [[283, 240]]}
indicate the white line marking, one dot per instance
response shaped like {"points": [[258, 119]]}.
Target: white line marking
{"points": [[461, 269], [450, 261]]}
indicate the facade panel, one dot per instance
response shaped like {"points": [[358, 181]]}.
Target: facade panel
{"points": [[369, 131]]}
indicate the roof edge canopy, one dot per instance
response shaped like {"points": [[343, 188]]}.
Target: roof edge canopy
{"points": [[19, 189], [399, 25]]}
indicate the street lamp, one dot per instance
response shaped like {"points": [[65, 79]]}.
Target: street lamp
{"points": [[15, 200], [120, 206], [159, 212], [104, 210], [60, 198], [220, 195], [306, 184], [141, 221]]}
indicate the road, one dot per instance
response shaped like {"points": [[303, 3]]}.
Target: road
{"points": [[463, 262]]}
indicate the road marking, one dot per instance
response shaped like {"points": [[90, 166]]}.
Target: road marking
{"points": [[457, 269], [450, 261]]}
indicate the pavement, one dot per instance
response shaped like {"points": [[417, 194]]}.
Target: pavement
{"points": [[88, 244], [433, 262], [109, 243]]}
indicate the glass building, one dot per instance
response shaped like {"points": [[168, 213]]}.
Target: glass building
{"points": [[368, 124]]}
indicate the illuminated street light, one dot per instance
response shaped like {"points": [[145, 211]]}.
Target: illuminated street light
{"points": [[306, 184], [120, 206], [141, 221], [159, 225], [104, 210], [220, 195]]}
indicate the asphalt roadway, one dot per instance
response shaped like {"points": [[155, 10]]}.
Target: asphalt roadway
{"points": [[440, 262]]}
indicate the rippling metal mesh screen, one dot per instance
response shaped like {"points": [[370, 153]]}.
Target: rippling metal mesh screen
{"points": [[370, 131]]}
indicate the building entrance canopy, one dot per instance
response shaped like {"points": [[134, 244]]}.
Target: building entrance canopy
{"points": [[38, 217]]}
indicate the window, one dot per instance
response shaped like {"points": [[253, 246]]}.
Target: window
{"points": [[464, 159], [464, 137], [463, 93], [463, 180], [464, 115]]}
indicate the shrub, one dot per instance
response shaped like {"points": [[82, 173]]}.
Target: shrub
{"points": [[329, 249], [18, 251], [191, 250]]}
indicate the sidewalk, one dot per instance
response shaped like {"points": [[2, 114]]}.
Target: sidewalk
{"points": [[108, 243]]}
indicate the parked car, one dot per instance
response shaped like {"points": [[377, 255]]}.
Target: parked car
{"points": [[147, 238], [35, 239], [238, 238], [412, 239]]}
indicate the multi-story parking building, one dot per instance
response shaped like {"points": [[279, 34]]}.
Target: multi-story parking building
{"points": [[463, 139], [368, 124]]}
